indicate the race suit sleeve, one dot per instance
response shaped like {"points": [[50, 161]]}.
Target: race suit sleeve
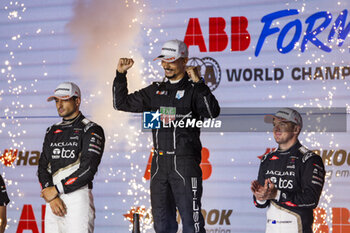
{"points": [[205, 103], [4, 199], [138, 101], [90, 158], [312, 180], [45, 177], [261, 180]]}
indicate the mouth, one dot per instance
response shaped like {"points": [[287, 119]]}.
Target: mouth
{"points": [[167, 71]]}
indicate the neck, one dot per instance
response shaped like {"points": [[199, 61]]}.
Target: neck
{"points": [[287, 145], [72, 116]]}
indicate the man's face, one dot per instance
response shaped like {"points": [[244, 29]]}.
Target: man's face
{"points": [[67, 108], [174, 69], [284, 131]]}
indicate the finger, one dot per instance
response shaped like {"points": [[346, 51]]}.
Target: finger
{"points": [[266, 183], [64, 208], [272, 185]]}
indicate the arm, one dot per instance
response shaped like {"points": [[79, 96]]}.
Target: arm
{"points": [[3, 219], [312, 180], [45, 178], [205, 103], [4, 200], [90, 158], [135, 102], [259, 186]]}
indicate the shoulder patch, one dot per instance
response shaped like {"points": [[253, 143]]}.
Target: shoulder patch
{"points": [[308, 155], [85, 121], [88, 126], [303, 149]]}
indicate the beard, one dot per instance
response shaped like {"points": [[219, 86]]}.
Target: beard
{"points": [[170, 77]]}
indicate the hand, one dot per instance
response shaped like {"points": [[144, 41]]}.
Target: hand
{"points": [[193, 73], [49, 193], [266, 192], [58, 207], [255, 186], [124, 64]]}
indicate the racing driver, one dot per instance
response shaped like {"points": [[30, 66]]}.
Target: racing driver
{"points": [[4, 200], [176, 177], [290, 179], [72, 151]]}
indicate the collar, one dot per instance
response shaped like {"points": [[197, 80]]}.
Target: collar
{"points": [[293, 148], [178, 84], [70, 121]]}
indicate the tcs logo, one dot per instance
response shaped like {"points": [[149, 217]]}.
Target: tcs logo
{"points": [[205, 165]]}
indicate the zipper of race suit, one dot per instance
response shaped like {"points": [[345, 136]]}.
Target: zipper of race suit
{"points": [[207, 104]]}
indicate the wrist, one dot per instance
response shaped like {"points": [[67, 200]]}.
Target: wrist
{"points": [[121, 71], [48, 201]]}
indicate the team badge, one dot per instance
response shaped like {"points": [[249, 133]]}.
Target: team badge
{"points": [[179, 94]]}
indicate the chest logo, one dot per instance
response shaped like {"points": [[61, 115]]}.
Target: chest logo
{"points": [[58, 131], [180, 94], [274, 157]]}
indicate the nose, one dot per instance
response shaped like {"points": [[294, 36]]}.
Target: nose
{"points": [[276, 128], [58, 103], [165, 64]]}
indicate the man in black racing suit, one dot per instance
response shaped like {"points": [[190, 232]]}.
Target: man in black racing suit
{"points": [[72, 151], [4, 200], [290, 179], [176, 177]]}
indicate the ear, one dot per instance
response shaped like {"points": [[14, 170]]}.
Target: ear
{"points": [[185, 60], [297, 129], [77, 102]]}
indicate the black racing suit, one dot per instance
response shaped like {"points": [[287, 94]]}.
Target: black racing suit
{"points": [[4, 199], [299, 175], [176, 177], [72, 151]]}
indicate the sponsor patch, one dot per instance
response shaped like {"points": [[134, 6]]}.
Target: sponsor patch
{"points": [[57, 131], [179, 94], [274, 157], [96, 135], [288, 203], [71, 181], [95, 151], [95, 146], [316, 182]]}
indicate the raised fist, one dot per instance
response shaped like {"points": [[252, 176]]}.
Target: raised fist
{"points": [[193, 73], [124, 64]]}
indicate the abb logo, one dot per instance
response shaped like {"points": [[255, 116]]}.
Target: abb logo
{"points": [[28, 221], [340, 220], [288, 36], [218, 38], [205, 165]]}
